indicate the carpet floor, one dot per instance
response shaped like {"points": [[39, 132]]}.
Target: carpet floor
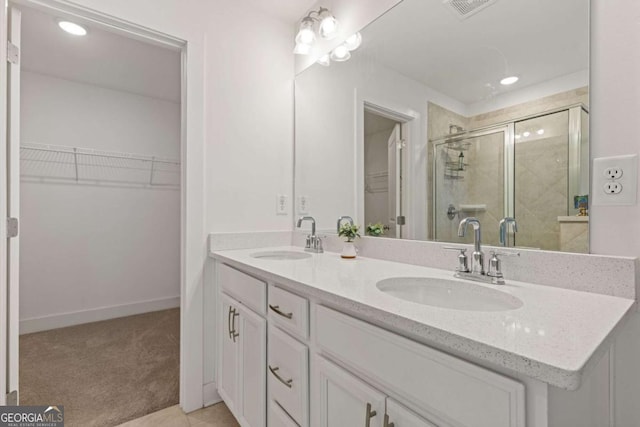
{"points": [[104, 373]]}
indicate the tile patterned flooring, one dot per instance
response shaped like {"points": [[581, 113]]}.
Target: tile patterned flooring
{"points": [[213, 416]]}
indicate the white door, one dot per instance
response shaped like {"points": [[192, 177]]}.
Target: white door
{"points": [[346, 401], [252, 337], [10, 203], [228, 369], [394, 159], [399, 416]]}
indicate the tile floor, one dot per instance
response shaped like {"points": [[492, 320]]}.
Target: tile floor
{"points": [[213, 416]]}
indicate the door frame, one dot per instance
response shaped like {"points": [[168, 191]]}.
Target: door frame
{"points": [[413, 160], [192, 147]]}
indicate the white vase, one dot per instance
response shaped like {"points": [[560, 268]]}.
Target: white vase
{"points": [[349, 250]]}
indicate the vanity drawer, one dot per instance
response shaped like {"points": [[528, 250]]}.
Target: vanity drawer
{"points": [[453, 390], [278, 417], [288, 372], [246, 289], [289, 311]]}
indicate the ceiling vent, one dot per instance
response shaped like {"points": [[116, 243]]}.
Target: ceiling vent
{"points": [[465, 8]]}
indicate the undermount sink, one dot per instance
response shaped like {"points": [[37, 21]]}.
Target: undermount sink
{"points": [[445, 293], [280, 255]]}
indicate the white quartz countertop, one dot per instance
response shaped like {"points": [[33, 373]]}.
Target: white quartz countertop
{"points": [[556, 336]]}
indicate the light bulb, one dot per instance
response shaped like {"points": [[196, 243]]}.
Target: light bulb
{"points": [[341, 53], [509, 80], [328, 27], [72, 28], [306, 35], [353, 42], [324, 60], [302, 49]]}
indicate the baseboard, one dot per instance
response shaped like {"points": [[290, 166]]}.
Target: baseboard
{"points": [[56, 321], [210, 394]]}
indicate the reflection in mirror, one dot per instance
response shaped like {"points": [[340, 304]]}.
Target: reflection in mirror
{"points": [[416, 131]]}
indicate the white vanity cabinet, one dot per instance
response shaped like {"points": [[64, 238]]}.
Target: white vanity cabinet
{"points": [[243, 349], [346, 401]]}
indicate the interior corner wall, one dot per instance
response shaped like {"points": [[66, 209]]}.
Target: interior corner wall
{"points": [[615, 230], [91, 252]]}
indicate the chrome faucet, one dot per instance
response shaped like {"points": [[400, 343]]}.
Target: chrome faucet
{"points": [[477, 271], [504, 229], [477, 259], [314, 243], [342, 218]]}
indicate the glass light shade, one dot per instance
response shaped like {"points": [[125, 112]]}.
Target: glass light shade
{"points": [[306, 35], [353, 42], [509, 80], [72, 28], [302, 49], [328, 27], [324, 60], [340, 54]]}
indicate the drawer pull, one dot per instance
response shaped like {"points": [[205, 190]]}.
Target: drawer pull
{"points": [[370, 414], [274, 371], [276, 308], [231, 310], [386, 421]]}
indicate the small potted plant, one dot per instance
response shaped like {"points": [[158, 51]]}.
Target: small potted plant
{"points": [[375, 230], [350, 232]]}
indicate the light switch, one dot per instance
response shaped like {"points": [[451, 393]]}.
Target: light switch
{"points": [[304, 205], [282, 204]]}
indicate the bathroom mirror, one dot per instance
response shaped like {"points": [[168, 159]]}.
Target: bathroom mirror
{"points": [[419, 129]]}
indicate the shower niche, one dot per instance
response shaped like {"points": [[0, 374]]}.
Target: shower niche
{"points": [[531, 168]]}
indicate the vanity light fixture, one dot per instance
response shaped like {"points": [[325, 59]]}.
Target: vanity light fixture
{"points": [[72, 28], [320, 22], [353, 42], [324, 60], [509, 80], [340, 54]]}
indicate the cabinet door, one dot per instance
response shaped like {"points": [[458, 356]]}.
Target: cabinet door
{"points": [[344, 400], [228, 373], [278, 417], [252, 330], [403, 417]]}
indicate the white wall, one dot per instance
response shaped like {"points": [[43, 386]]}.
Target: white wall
{"points": [[615, 107], [326, 127], [91, 252]]}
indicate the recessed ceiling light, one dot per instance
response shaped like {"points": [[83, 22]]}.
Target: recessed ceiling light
{"points": [[509, 80], [72, 28], [526, 134], [540, 132]]}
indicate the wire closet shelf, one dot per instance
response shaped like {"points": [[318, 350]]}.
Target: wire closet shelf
{"points": [[41, 162]]}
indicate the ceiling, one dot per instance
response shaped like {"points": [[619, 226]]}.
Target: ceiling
{"points": [[100, 58], [286, 10], [537, 40]]}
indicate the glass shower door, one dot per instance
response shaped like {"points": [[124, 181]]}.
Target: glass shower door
{"points": [[471, 179]]}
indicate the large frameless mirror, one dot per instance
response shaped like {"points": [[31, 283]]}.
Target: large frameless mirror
{"points": [[450, 110]]}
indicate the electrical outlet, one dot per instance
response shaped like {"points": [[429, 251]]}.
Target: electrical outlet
{"points": [[304, 205], [615, 181], [282, 204], [613, 173], [612, 187]]}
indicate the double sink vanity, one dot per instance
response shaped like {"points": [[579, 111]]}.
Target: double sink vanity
{"points": [[311, 339]]}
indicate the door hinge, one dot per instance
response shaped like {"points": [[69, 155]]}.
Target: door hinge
{"points": [[12, 227], [12, 398], [400, 220], [13, 53]]}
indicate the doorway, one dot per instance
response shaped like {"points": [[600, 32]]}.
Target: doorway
{"points": [[100, 205]]}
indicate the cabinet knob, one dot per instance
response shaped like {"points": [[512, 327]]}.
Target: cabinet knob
{"points": [[276, 308], [274, 371], [370, 414], [386, 421]]}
